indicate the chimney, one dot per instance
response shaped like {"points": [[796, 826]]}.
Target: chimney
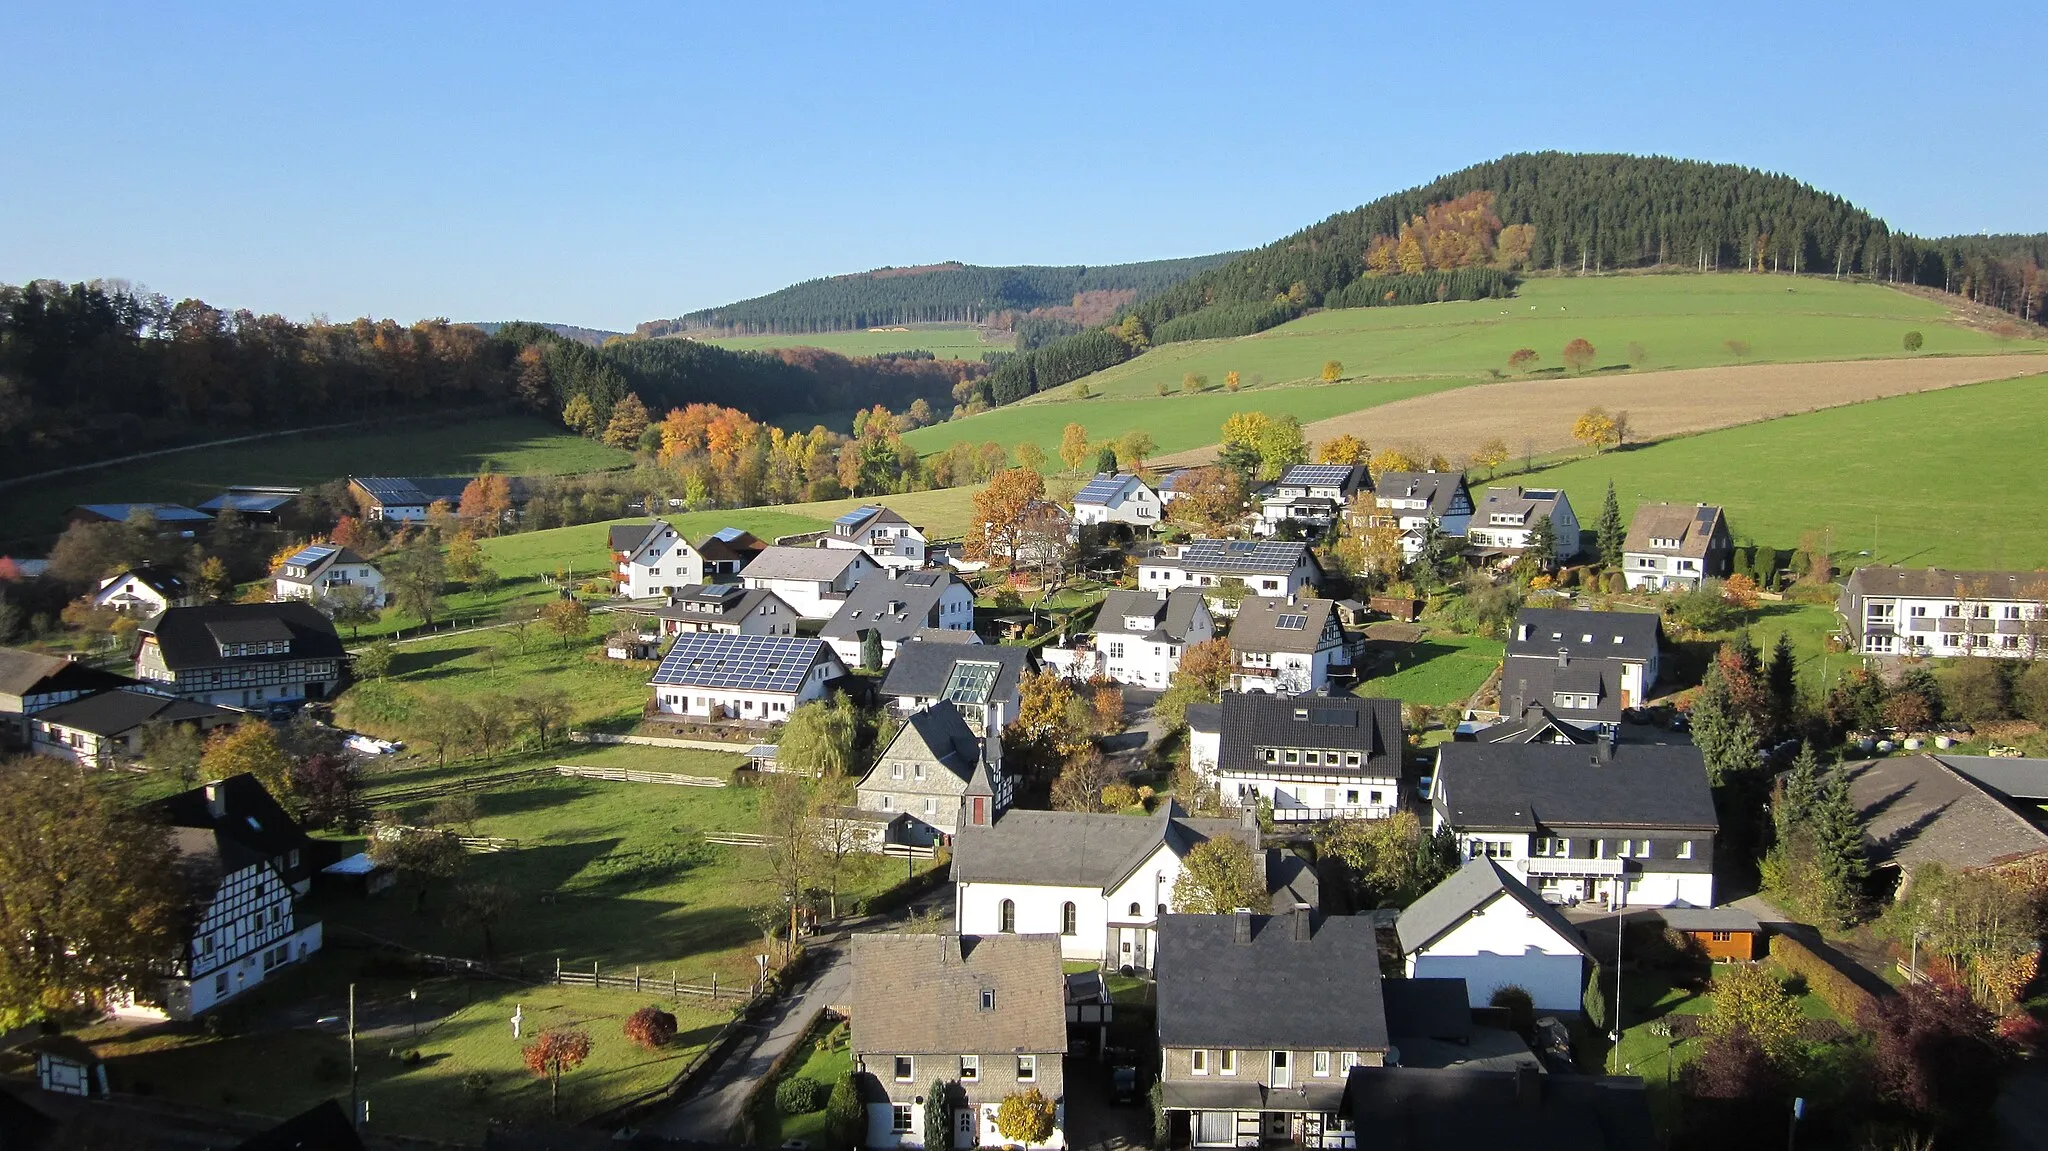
{"points": [[1564, 657], [1304, 929], [1606, 751], [1522, 632], [1244, 925], [894, 572], [1528, 1085], [216, 800]]}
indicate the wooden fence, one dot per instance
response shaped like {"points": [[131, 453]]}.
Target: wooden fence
{"points": [[643, 981], [739, 839], [455, 786], [627, 775]]}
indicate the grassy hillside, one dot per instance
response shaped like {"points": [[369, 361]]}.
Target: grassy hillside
{"points": [[425, 445], [1934, 479], [1679, 321], [946, 341], [582, 548]]}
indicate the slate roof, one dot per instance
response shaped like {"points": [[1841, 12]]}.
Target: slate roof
{"points": [[1916, 809], [958, 637], [1172, 615], [1252, 720], [1204, 717], [1526, 785], [1708, 919], [794, 563], [922, 994], [190, 637], [161, 580], [1413, 1109], [1541, 631], [1273, 991], [1529, 503], [1466, 892], [937, 735], [1271, 624], [2012, 778], [1229, 557], [1440, 489], [323, 1127], [1076, 849], [1692, 525], [110, 713], [1946, 583], [164, 513], [775, 663], [24, 673], [894, 607], [734, 602], [1537, 725], [1529, 681], [727, 545], [625, 539], [1427, 1009], [924, 669], [250, 828]]}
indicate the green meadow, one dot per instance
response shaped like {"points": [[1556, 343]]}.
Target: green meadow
{"points": [[944, 341], [1941, 478]]}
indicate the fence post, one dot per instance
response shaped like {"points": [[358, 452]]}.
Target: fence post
{"points": [[558, 969], [636, 977], [714, 987], [594, 980], [673, 992]]}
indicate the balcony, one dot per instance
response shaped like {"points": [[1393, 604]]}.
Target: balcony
{"points": [[1541, 865]]}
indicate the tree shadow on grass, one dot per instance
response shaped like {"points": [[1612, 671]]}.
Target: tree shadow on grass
{"points": [[406, 663]]}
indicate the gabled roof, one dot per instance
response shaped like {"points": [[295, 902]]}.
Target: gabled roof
{"points": [[164, 513], [249, 826], [1532, 680], [2012, 778], [245, 501], [117, 712], [190, 637], [1323, 476], [1104, 488], [924, 669], [1252, 720], [775, 663], [1468, 891], [864, 517], [1076, 849], [1946, 583], [26, 673], [1172, 480], [1537, 725], [728, 544], [1273, 989], [1439, 489], [1542, 631], [894, 607], [1692, 525], [1411, 1108], [626, 539], [316, 558], [1916, 809], [923, 994], [807, 564], [1525, 785], [161, 580], [1172, 615], [1231, 557], [958, 637], [732, 602], [1269, 624], [323, 1127], [936, 735]]}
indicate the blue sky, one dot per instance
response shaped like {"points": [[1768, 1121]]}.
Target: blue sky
{"points": [[606, 164]]}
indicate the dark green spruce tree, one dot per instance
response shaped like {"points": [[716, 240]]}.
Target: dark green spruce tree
{"points": [[1613, 533]]}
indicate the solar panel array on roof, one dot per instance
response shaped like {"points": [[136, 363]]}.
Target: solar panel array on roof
{"points": [[971, 682], [1291, 622], [1317, 474], [728, 535], [1333, 717], [392, 491], [738, 662], [1100, 489], [857, 515], [311, 555], [1243, 555], [1704, 517]]}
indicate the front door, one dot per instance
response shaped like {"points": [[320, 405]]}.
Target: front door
{"points": [[1283, 1074], [1275, 1126], [963, 1128]]}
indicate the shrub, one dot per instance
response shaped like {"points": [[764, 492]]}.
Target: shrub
{"points": [[1848, 999], [1119, 795], [845, 1119], [1520, 1007], [476, 1085], [651, 1027], [1595, 999], [1912, 341], [799, 1095]]}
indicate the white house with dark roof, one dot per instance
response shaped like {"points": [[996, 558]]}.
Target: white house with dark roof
{"points": [[888, 538], [651, 560], [31, 682], [144, 591], [1312, 758], [1142, 634], [319, 571], [712, 675], [1116, 499], [970, 677], [1896, 611], [1265, 567], [402, 499], [1486, 927], [728, 608], [944, 769], [814, 581], [106, 728], [1286, 646], [1505, 518], [895, 606], [1312, 495], [1585, 667], [1411, 501], [1632, 823], [242, 655], [1676, 546]]}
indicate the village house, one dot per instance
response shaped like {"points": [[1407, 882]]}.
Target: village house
{"points": [[399, 499], [969, 676], [1923, 612], [144, 591], [246, 864], [1536, 725], [1584, 667], [889, 539], [814, 581], [942, 769], [726, 608], [1264, 567], [1261, 1020], [1141, 635], [1311, 495], [651, 559], [1286, 647], [714, 675], [1722, 934], [258, 504], [1485, 927], [31, 682], [1099, 882], [726, 552], [894, 606], [1205, 739], [1173, 485], [251, 656], [106, 728], [1312, 758], [1116, 499], [1628, 824], [1505, 519], [986, 1015], [1676, 546], [317, 572], [1411, 501]]}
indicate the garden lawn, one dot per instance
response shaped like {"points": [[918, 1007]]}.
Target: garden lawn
{"points": [[1943, 478], [1442, 669], [943, 341], [830, 1058]]}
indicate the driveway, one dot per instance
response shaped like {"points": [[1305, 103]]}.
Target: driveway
{"points": [[1141, 728], [1096, 1124]]}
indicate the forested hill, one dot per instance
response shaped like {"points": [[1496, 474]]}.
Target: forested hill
{"points": [[936, 293], [595, 337], [1468, 234]]}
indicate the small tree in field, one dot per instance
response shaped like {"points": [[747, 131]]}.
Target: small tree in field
{"points": [[1522, 359], [553, 1052], [1025, 1117], [651, 1027], [1578, 355], [1912, 342], [566, 618], [1333, 370], [1594, 428]]}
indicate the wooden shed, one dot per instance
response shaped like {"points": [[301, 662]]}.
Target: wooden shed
{"points": [[1722, 933], [66, 1066]]}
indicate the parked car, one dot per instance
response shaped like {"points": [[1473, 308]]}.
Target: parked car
{"points": [[1123, 1085]]}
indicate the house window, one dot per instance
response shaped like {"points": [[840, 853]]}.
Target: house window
{"points": [[895, 771], [1685, 849], [1201, 1061], [1350, 759], [1067, 917], [1136, 910], [931, 807], [899, 1118], [988, 999], [1007, 917], [888, 803], [1346, 1060], [905, 1071], [1027, 1068], [220, 984], [1643, 849], [1722, 936], [970, 1068], [1226, 1061], [1322, 1065]]}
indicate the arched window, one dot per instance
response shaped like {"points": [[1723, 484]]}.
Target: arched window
{"points": [[1067, 919], [1137, 909], [1008, 920]]}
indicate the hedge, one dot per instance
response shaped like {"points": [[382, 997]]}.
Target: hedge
{"points": [[1846, 996], [798, 1095]]}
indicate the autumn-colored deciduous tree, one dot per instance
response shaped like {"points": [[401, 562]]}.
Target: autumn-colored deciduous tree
{"points": [[551, 1053], [1107, 703], [1490, 455], [1218, 877], [1333, 370], [1740, 589], [1594, 428], [1194, 383], [1203, 674], [1395, 459], [249, 747], [1752, 1000], [577, 414], [1231, 381], [1030, 455], [567, 618], [1343, 448], [1132, 448], [1514, 245], [1934, 1053], [1053, 724], [1579, 354], [650, 1027], [1210, 499], [1080, 784], [1025, 1117], [629, 419], [999, 513], [1073, 445], [1522, 359], [487, 499]]}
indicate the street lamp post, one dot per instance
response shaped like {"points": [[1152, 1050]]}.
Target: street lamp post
{"points": [[414, 996]]}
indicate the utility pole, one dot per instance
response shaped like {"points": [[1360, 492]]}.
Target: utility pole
{"points": [[355, 1106]]}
